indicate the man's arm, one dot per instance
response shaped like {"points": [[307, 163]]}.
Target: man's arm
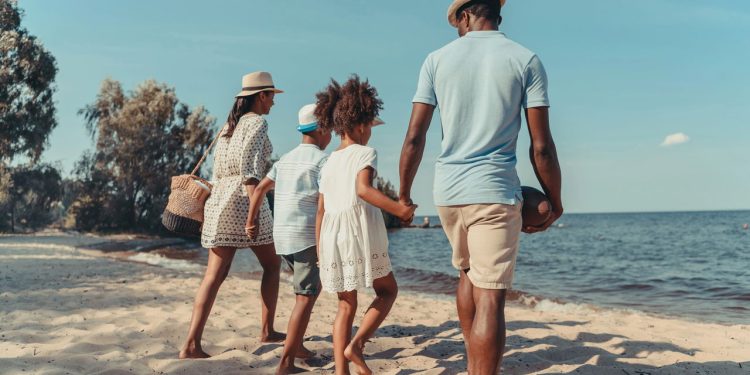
{"points": [[413, 149], [543, 155]]}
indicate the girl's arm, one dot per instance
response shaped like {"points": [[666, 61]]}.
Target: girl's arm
{"points": [[256, 194], [319, 223], [374, 197]]}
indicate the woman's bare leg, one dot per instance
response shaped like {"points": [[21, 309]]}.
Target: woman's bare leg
{"points": [[342, 329], [269, 291], [219, 262], [386, 290]]}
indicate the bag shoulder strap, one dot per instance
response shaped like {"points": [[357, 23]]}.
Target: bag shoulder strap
{"points": [[203, 158]]}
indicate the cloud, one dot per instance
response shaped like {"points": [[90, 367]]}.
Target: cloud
{"points": [[675, 139]]}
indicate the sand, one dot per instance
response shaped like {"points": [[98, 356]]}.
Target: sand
{"points": [[66, 311]]}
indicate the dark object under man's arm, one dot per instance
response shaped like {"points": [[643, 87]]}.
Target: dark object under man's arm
{"points": [[543, 155]]}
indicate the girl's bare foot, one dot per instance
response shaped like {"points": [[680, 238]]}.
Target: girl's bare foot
{"points": [[273, 337], [353, 352], [193, 353], [304, 353]]}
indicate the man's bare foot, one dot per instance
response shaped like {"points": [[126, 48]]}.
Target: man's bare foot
{"points": [[273, 337], [353, 352], [193, 353], [304, 353]]}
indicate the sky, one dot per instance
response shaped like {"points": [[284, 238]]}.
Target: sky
{"points": [[648, 99]]}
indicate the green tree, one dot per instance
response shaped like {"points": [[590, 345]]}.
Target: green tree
{"points": [[386, 188], [27, 74], [27, 117], [33, 192], [141, 140]]}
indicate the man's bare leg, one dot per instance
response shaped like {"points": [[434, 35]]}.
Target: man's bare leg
{"points": [[488, 331], [466, 308]]}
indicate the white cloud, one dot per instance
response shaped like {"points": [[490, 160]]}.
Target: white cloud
{"points": [[675, 139]]}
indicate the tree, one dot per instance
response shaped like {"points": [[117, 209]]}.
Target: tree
{"points": [[27, 74], [27, 117], [141, 140], [386, 188], [34, 191]]}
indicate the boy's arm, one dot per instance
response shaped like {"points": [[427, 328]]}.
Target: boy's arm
{"points": [[256, 194], [543, 155], [374, 197], [319, 223]]}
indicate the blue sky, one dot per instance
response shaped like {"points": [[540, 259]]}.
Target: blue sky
{"points": [[624, 75]]}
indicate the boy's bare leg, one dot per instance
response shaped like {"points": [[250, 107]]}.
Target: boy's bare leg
{"points": [[296, 328]]}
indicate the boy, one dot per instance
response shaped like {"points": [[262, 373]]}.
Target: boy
{"points": [[295, 180]]}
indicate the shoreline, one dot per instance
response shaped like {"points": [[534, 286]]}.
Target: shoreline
{"points": [[169, 253], [69, 311]]}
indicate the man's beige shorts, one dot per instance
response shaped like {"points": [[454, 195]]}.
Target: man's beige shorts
{"points": [[485, 239]]}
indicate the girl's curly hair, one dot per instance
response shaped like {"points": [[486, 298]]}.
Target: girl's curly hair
{"points": [[341, 108]]}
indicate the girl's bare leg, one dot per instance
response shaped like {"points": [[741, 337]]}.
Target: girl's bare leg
{"points": [[342, 329], [386, 290], [219, 262], [269, 291]]}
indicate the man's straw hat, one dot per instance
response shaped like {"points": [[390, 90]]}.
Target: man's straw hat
{"points": [[256, 82], [457, 4]]}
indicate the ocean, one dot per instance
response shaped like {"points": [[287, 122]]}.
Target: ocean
{"points": [[687, 264], [694, 265]]}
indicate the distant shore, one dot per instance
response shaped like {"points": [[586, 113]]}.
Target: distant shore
{"points": [[67, 309]]}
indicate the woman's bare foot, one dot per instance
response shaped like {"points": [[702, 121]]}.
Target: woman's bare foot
{"points": [[353, 352], [291, 369], [189, 352], [304, 353], [273, 337]]}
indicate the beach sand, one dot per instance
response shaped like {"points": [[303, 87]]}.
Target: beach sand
{"points": [[67, 311]]}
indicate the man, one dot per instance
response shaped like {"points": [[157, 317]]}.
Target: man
{"points": [[481, 82]]}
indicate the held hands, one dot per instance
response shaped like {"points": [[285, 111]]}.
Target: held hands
{"points": [[407, 210]]}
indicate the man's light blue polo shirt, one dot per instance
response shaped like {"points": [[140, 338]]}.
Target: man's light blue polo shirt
{"points": [[480, 84], [295, 203]]}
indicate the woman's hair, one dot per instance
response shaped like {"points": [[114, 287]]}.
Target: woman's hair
{"points": [[341, 108], [242, 105]]}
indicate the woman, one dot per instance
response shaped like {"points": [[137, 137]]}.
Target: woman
{"points": [[239, 163]]}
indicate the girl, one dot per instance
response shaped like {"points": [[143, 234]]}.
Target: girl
{"points": [[239, 162], [352, 239]]}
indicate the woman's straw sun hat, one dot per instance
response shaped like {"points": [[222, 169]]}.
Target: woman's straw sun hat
{"points": [[256, 82]]}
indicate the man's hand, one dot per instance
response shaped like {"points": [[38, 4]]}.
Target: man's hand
{"points": [[406, 202], [554, 215]]}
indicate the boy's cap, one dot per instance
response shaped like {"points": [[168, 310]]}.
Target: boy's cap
{"points": [[307, 120], [377, 122]]}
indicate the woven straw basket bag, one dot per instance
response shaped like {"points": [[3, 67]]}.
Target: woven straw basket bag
{"points": [[184, 212]]}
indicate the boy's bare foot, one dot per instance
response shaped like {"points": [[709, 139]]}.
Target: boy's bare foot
{"points": [[353, 352], [304, 353], [273, 337], [193, 353]]}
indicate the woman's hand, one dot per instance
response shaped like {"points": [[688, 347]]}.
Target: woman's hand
{"points": [[251, 226]]}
